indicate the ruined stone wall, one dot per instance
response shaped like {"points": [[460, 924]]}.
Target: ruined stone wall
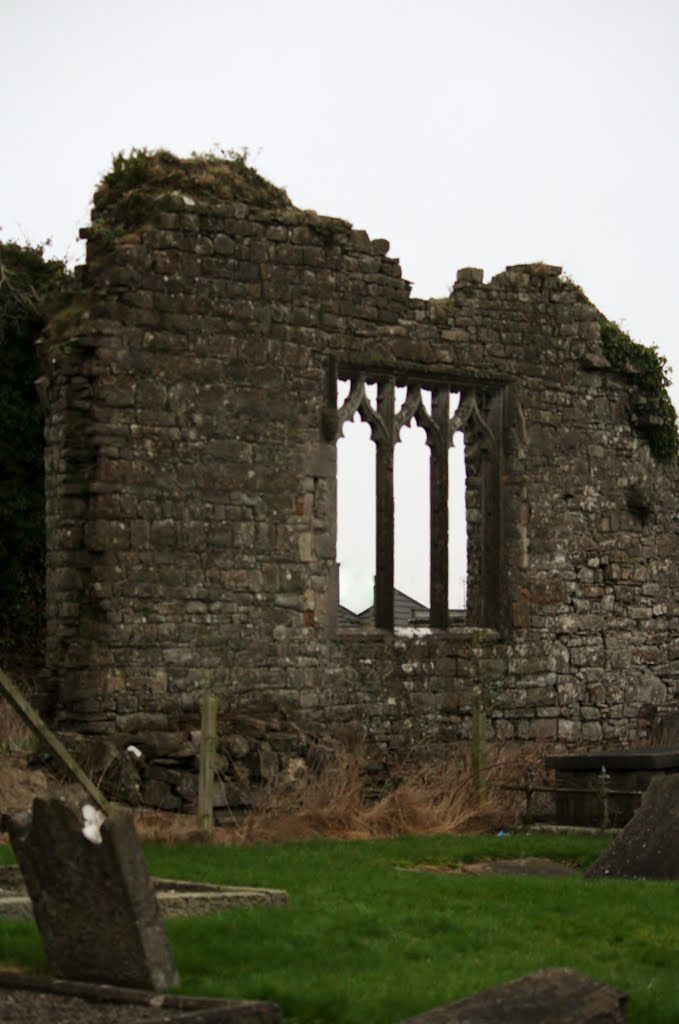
{"points": [[191, 490]]}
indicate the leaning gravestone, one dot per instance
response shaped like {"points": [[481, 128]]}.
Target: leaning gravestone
{"points": [[92, 897], [648, 846], [557, 995]]}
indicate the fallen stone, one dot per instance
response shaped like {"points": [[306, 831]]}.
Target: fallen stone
{"points": [[92, 897], [648, 846], [557, 995], [41, 1000]]}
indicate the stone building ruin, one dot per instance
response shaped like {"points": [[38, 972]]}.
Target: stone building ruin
{"points": [[191, 488]]}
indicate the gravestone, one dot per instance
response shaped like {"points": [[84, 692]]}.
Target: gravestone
{"points": [[557, 995], [92, 897], [648, 846]]}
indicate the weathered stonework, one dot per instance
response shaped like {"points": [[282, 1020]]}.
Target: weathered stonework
{"points": [[191, 478]]}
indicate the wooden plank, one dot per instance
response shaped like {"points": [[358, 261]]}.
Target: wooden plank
{"points": [[45, 734], [208, 755], [479, 747]]}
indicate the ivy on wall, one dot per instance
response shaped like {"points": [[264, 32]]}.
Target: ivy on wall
{"points": [[27, 280], [654, 413]]}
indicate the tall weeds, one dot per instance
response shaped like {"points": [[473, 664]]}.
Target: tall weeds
{"points": [[425, 798], [337, 799]]}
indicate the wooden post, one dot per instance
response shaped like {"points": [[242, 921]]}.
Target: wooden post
{"points": [[44, 733], [478, 747], [208, 751]]}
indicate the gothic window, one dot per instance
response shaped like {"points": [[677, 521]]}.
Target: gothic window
{"points": [[427, 403]]}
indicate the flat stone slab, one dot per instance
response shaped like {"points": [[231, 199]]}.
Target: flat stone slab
{"points": [[557, 995], [30, 999], [92, 897], [648, 846], [645, 759], [511, 866], [186, 899], [175, 898]]}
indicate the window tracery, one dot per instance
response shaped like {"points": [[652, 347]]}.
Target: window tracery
{"points": [[475, 418]]}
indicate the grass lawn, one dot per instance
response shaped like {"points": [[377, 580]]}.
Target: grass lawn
{"points": [[363, 942]]}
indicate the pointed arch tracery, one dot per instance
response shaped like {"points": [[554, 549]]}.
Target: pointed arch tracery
{"points": [[471, 417]]}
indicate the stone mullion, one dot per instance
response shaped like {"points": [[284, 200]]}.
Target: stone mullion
{"points": [[438, 510], [384, 574]]}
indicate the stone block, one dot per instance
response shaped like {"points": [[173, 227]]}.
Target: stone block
{"points": [[92, 896], [235, 745], [121, 778], [557, 995], [229, 794], [166, 744], [158, 793], [473, 274], [543, 729]]}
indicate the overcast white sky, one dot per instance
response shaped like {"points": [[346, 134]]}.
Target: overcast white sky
{"points": [[468, 132]]}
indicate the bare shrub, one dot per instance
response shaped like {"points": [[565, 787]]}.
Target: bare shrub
{"points": [[165, 826]]}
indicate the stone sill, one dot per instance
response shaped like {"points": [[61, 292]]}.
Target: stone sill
{"points": [[462, 634]]}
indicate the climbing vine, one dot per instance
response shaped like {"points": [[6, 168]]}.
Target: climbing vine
{"points": [[655, 415], [27, 280]]}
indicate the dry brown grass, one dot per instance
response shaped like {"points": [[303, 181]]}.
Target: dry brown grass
{"points": [[337, 801], [426, 798], [167, 827]]}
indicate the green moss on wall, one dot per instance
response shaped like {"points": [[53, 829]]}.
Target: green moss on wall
{"points": [[122, 200], [655, 416]]}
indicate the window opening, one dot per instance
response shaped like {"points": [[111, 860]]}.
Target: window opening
{"points": [[457, 519], [447, 427], [411, 511], [356, 507]]}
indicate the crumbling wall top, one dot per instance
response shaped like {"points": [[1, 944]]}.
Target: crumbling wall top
{"points": [[137, 179]]}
